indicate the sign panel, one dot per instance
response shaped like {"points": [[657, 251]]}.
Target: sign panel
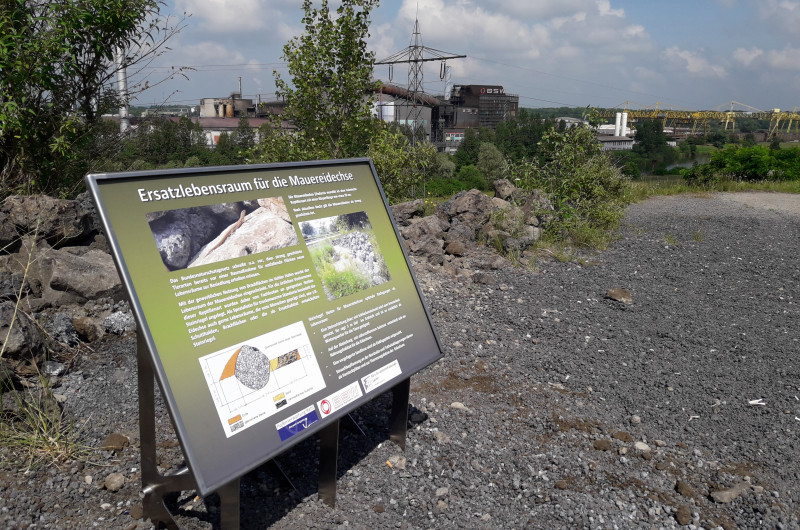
{"points": [[273, 300]]}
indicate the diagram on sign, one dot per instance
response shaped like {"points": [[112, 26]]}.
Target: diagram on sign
{"points": [[252, 380]]}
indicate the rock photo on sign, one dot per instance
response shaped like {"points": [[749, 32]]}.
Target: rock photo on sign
{"points": [[190, 237]]}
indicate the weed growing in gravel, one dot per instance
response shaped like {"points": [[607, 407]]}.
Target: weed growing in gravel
{"points": [[697, 235], [670, 239], [38, 434]]}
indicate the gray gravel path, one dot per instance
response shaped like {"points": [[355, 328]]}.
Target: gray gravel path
{"points": [[554, 407]]}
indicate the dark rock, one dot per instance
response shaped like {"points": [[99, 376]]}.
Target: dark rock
{"points": [[623, 436], [455, 248], [62, 330], [472, 208], [67, 277], [684, 489], [405, 211], [59, 221], [88, 328], [24, 336], [462, 233]]}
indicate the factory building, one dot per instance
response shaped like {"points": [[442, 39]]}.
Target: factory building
{"points": [[445, 120]]}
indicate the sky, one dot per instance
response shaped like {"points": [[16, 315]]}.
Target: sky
{"points": [[677, 54]]}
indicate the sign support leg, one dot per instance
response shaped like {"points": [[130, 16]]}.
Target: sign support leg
{"points": [[154, 484], [328, 459], [398, 422]]}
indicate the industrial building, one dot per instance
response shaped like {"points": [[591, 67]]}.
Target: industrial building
{"points": [[444, 120]]}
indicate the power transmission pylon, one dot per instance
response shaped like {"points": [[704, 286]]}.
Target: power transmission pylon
{"points": [[415, 55]]}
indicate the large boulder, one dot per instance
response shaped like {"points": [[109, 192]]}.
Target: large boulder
{"points": [[406, 211], [472, 208], [424, 236], [59, 221], [19, 333], [267, 228], [74, 275]]}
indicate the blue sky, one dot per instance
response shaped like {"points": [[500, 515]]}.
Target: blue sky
{"points": [[699, 54]]}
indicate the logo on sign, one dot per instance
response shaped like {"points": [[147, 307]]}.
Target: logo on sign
{"points": [[325, 406]]}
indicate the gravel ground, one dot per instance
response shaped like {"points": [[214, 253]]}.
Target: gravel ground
{"points": [[553, 407]]}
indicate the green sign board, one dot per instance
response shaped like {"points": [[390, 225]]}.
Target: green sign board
{"points": [[273, 300]]}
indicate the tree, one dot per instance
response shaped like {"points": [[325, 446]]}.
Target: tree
{"points": [[328, 99], [57, 61], [650, 138], [244, 137], [401, 167], [468, 150], [491, 162]]}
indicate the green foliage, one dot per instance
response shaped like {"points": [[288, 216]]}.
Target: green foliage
{"points": [[491, 162], [518, 138], [588, 191], [338, 283], [755, 163], [161, 140], [472, 177], [444, 187], [468, 150], [57, 62], [401, 167], [331, 75], [443, 166]]}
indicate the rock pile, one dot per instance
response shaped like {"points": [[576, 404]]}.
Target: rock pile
{"points": [[355, 249], [510, 222], [56, 273]]}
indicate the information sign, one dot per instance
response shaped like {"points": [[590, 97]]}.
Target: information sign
{"points": [[273, 300]]}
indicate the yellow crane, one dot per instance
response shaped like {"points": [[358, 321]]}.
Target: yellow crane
{"points": [[733, 111]]}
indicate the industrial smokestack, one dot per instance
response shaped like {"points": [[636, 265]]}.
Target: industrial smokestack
{"points": [[616, 124], [122, 84], [624, 129]]}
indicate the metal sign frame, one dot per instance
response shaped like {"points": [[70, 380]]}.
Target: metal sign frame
{"points": [[123, 198]]}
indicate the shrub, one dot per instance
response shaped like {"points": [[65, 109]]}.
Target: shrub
{"points": [[586, 188], [443, 187], [472, 178]]}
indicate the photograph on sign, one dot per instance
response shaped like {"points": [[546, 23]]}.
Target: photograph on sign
{"points": [[273, 299], [345, 253], [221, 231]]}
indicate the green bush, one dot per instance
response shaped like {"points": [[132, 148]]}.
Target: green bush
{"points": [[753, 163], [589, 192], [472, 178], [443, 187]]}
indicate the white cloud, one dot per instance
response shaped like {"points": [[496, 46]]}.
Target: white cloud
{"points": [[786, 59], [694, 63], [781, 14], [604, 8], [209, 52], [239, 16], [746, 57]]}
